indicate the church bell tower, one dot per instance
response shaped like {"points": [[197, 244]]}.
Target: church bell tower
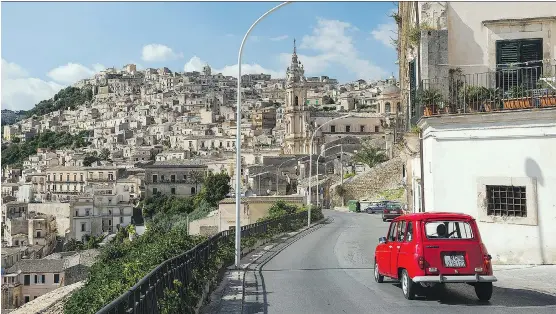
{"points": [[296, 114]]}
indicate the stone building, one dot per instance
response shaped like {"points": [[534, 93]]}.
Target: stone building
{"points": [[174, 177]]}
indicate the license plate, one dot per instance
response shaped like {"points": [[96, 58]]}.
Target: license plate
{"points": [[454, 261]]}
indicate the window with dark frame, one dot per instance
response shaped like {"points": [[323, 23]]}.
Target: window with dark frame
{"points": [[56, 278], [506, 201], [527, 54], [332, 128], [348, 128]]}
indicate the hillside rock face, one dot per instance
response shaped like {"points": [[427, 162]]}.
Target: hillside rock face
{"points": [[367, 185]]}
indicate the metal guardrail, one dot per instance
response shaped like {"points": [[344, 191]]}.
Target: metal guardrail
{"points": [[144, 295]]}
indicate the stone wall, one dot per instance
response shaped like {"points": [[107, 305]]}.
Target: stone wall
{"points": [[368, 185]]}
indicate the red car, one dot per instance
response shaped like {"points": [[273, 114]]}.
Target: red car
{"points": [[426, 250]]}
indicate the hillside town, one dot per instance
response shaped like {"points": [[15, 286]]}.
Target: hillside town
{"points": [[157, 131], [132, 166]]}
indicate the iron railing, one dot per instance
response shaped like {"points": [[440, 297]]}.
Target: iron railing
{"points": [[144, 295], [507, 88]]}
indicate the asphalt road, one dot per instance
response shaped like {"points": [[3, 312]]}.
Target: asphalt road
{"points": [[330, 270]]}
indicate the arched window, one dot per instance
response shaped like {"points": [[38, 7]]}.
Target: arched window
{"points": [[296, 101], [192, 190], [387, 107], [398, 107]]}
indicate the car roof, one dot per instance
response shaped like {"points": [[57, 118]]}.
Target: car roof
{"points": [[434, 215]]}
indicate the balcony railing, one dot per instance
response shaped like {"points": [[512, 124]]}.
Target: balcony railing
{"points": [[507, 88], [143, 297]]}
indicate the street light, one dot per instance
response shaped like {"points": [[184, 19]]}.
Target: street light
{"points": [[238, 135], [321, 153], [311, 163], [278, 172]]}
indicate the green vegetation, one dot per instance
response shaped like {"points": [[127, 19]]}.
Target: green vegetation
{"points": [[122, 263], [392, 195], [69, 97], [349, 175], [370, 155], [16, 153]]}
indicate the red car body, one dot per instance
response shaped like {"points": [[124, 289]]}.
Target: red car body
{"points": [[426, 250]]}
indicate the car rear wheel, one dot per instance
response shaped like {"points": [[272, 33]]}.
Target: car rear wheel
{"points": [[483, 290], [378, 277], [408, 287]]}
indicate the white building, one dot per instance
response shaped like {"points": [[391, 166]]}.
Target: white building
{"points": [[500, 169]]}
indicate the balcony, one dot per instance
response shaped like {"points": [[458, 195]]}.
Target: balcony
{"points": [[507, 88], [101, 179]]}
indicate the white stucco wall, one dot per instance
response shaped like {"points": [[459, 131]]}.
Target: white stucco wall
{"points": [[472, 43], [462, 153]]}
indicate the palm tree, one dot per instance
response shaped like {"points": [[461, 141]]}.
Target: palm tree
{"points": [[370, 156]]}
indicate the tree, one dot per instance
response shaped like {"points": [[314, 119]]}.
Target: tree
{"points": [[89, 160], [328, 100], [197, 178], [104, 154], [369, 155], [216, 187]]}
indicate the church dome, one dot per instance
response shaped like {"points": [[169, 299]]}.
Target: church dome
{"points": [[390, 89]]}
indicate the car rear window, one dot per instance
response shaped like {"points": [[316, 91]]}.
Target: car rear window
{"points": [[451, 229], [394, 206]]}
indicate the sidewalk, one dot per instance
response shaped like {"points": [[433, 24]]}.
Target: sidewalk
{"points": [[539, 278], [230, 295]]}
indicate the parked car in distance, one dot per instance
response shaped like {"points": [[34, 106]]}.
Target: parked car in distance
{"points": [[391, 211], [375, 207], [426, 250]]}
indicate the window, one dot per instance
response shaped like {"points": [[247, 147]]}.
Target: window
{"points": [[409, 235], [514, 51], [75, 177], [506, 201], [38, 234], [155, 190], [398, 107], [83, 227], [35, 297], [387, 107], [121, 220], [26, 299], [155, 178], [401, 231], [81, 177], [348, 128], [448, 230], [192, 190], [43, 279], [173, 190], [376, 128], [332, 128], [184, 177], [392, 233], [361, 128], [162, 178], [173, 178], [26, 280], [36, 279], [56, 278]]}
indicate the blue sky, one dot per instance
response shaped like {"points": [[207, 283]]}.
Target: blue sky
{"points": [[46, 46]]}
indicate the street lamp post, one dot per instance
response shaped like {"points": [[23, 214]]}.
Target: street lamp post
{"points": [[278, 173], [311, 164], [238, 136], [318, 193], [259, 175]]}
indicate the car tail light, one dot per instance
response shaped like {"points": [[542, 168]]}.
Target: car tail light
{"points": [[421, 261]]}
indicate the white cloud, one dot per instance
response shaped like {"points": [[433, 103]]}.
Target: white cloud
{"points": [[194, 64], [334, 45], [159, 53], [12, 70], [73, 72], [279, 38], [385, 33], [21, 92]]}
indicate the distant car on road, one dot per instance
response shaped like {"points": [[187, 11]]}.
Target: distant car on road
{"points": [[391, 211], [426, 250], [375, 207]]}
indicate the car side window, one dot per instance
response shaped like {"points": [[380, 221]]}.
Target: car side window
{"points": [[409, 234], [392, 233], [401, 231]]}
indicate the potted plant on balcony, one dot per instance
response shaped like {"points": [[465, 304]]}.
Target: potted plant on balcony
{"points": [[548, 98], [431, 99], [518, 98], [476, 98], [493, 101]]}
